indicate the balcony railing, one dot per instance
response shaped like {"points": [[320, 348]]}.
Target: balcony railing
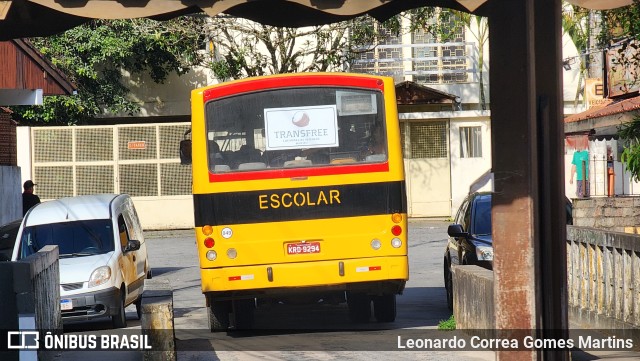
{"points": [[435, 63]]}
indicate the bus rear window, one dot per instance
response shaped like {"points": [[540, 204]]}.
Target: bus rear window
{"points": [[295, 127]]}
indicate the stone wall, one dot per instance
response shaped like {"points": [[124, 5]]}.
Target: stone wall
{"points": [[10, 194], [618, 214]]}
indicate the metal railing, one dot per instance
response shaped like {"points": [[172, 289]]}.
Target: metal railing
{"points": [[610, 178], [436, 63]]}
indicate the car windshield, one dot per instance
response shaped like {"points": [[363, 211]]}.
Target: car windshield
{"points": [[74, 239], [482, 217]]}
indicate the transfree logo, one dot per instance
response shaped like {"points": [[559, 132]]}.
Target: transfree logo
{"points": [[300, 119], [23, 340]]}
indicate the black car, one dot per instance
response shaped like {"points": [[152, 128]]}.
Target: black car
{"points": [[8, 233], [470, 241]]}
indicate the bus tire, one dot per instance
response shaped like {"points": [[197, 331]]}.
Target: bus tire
{"points": [[244, 312], [359, 304], [384, 308], [218, 312]]}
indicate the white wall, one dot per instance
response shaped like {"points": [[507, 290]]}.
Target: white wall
{"points": [[466, 171], [10, 193], [171, 98], [23, 151], [165, 213]]}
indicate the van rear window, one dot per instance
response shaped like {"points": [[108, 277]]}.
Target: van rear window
{"points": [[74, 239]]}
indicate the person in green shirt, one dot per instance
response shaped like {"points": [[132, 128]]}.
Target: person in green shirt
{"points": [[580, 166]]}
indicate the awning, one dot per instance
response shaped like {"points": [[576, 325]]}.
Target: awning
{"points": [[25, 18]]}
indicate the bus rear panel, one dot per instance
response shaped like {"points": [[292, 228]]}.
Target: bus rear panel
{"points": [[299, 192]]}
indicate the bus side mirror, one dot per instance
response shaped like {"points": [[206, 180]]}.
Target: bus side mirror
{"points": [[185, 148], [185, 152]]}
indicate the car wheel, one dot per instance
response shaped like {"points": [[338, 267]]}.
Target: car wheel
{"points": [[218, 312], [119, 320], [359, 307], [449, 286], [138, 304], [384, 308], [244, 313]]}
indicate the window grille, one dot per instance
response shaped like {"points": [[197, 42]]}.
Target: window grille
{"points": [[52, 145], [94, 179], [94, 144], [136, 143], [471, 142], [54, 182], [139, 180], [428, 140], [175, 179]]}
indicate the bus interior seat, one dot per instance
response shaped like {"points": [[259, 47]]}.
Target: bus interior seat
{"points": [[221, 168], [343, 160], [298, 163], [252, 165], [376, 158]]}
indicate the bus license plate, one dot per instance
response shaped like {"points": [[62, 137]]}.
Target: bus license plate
{"points": [[303, 248], [66, 305]]}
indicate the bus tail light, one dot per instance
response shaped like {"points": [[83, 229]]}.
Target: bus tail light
{"points": [[209, 242], [396, 243], [396, 230], [232, 253], [376, 244], [207, 230], [396, 218], [212, 255]]}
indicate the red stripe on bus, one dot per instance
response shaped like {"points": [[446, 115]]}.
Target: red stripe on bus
{"points": [[375, 268], [299, 172], [235, 88], [235, 278]]}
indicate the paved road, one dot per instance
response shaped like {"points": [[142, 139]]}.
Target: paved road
{"points": [[420, 309]]}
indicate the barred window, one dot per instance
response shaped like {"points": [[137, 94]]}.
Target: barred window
{"points": [[424, 139], [471, 142]]}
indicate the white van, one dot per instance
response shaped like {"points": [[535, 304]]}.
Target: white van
{"points": [[103, 256]]}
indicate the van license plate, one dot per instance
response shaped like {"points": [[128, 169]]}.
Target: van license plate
{"points": [[303, 248], [66, 304]]}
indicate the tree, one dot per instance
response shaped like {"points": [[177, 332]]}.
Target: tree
{"points": [[623, 25], [93, 57], [246, 48], [575, 22], [445, 26]]}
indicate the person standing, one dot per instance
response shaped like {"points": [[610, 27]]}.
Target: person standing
{"points": [[28, 198], [580, 167]]}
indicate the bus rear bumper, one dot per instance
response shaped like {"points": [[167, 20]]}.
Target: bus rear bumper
{"points": [[375, 275]]}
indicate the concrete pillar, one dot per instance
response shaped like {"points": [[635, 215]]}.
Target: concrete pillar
{"points": [[157, 320]]}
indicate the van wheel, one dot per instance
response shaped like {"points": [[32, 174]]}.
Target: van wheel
{"points": [[359, 307], [244, 312], [119, 320], [218, 312], [139, 307], [384, 308]]}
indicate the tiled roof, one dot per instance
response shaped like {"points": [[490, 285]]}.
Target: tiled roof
{"points": [[610, 108]]}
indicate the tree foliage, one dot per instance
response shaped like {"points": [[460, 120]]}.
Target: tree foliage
{"points": [[623, 25], [245, 48], [94, 55]]}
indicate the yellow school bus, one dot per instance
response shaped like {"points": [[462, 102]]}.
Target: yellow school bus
{"points": [[299, 193]]}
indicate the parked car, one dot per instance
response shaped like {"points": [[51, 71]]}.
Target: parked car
{"points": [[103, 256], [470, 241], [8, 233]]}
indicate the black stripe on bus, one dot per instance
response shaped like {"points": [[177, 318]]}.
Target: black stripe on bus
{"points": [[295, 204]]}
